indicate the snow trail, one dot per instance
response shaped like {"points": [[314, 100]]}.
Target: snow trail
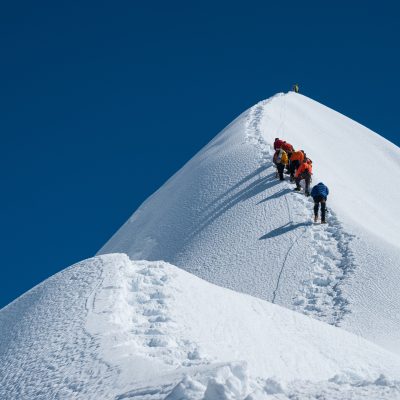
{"points": [[157, 331], [136, 304], [320, 295]]}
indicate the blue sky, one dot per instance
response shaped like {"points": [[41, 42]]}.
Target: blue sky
{"points": [[102, 101]]}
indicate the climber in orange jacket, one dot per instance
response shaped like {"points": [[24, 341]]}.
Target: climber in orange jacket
{"points": [[304, 172], [296, 159]]}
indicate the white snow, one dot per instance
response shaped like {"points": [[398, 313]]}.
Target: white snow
{"points": [[359, 165], [226, 218], [109, 327], [116, 327]]}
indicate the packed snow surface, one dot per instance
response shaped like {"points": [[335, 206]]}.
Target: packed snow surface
{"points": [[111, 328], [226, 218]]}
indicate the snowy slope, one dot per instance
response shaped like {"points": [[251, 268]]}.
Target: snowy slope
{"points": [[225, 218], [111, 328]]}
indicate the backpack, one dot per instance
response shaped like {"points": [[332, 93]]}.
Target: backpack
{"points": [[280, 156], [307, 171]]}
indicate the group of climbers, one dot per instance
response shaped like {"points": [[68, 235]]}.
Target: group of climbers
{"points": [[299, 167]]}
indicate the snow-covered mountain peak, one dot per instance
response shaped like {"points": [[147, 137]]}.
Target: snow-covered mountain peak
{"points": [[226, 218], [359, 165], [115, 327]]}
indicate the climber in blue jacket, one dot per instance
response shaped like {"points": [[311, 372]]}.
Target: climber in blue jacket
{"points": [[319, 193]]}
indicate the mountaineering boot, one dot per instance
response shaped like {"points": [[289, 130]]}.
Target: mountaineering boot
{"points": [[315, 218], [323, 221], [307, 193], [297, 189]]}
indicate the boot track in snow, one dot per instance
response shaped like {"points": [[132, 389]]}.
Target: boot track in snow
{"points": [[320, 294]]}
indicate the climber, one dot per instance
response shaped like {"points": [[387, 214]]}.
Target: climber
{"points": [[296, 88], [303, 172], [280, 160], [277, 143], [296, 159], [319, 194]]}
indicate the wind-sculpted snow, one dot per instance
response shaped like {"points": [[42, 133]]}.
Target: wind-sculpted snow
{"points": [[45, 349], [226, 218], [111, 328]]}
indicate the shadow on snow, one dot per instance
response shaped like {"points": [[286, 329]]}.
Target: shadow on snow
{"points": [[284, 229]]}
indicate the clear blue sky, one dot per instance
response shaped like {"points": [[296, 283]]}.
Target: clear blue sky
{"points": [[101, 102]]}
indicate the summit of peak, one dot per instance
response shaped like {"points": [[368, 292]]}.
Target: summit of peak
{"points": [[226, 218]]}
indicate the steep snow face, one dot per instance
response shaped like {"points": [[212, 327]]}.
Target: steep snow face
{"points": [[111, 328], [226, 218]]}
